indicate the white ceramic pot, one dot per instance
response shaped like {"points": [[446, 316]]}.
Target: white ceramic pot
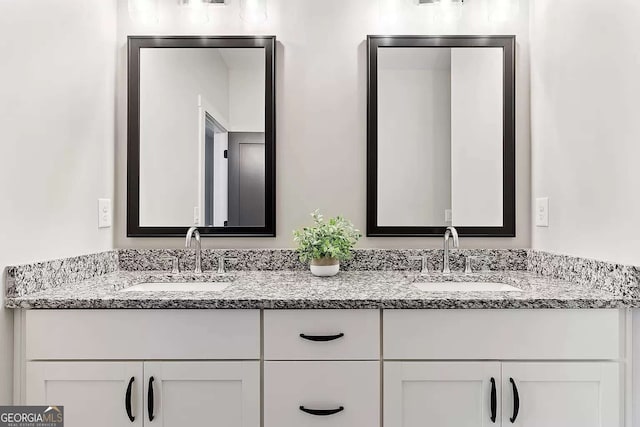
{"points": [[325, 267]]}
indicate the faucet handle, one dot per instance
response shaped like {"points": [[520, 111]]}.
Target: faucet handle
{"points": [[468, 267], [467, 264], [175, 265], [221, 260], [231, 260], [424, 268]]}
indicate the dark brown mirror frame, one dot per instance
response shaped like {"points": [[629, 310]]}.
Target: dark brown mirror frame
{"points": [[508, 44], [135, 43]]}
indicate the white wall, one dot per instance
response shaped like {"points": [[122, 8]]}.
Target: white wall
{"points": [[585, 85], [414, 136], [321, 106], [477, 111], [246, 89], [56, 131], [585, 70], [171, 80]]}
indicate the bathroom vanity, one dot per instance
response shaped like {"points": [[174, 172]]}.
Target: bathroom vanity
{"points": [[327, 367], [366, 348]]}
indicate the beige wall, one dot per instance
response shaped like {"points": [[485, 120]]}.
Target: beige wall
{"points": [[56, 131], [321, 106]]}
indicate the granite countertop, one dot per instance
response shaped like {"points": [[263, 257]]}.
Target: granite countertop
{"points": [[301, 290]]}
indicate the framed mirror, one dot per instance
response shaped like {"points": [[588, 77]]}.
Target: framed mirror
{"points": [[441, 135], [201, 136]]}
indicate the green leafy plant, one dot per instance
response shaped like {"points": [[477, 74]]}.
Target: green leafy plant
{"points": [[326, 239]]}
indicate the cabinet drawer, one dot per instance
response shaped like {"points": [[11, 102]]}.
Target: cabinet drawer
{"points": [[321, 386], [142, 334], [502, 334], [328, 335]]}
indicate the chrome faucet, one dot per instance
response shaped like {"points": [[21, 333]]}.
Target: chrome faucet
{"points": [[449, 233], [193, 232]]}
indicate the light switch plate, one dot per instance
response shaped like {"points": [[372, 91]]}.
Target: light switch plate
{"points": [[542, 212], [104, 213], [448, 215], [196, 215]]}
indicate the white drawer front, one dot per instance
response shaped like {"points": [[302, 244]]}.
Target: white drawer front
{"points": [[502, 334], [324, 386], [328, 335], [142, 334]]}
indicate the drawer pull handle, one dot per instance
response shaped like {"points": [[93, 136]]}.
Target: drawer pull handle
{"points": [[494, 400], [321, 338], [516, 401], [322, 412], [150, 399], [127, 400]]}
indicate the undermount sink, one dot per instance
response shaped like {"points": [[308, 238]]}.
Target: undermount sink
{"points": [[178, 287], [465, 287]]}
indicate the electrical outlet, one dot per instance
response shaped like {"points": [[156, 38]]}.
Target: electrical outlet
{"points": [[104, 213], [542, 212], [196, 215], [448, 215]]}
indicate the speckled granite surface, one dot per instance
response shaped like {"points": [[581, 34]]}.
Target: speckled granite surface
{"points": [[29, 278], [300, 290], [621, 280], [274, 278], [287, 259]]}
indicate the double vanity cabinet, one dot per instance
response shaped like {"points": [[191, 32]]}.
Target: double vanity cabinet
{"points": [[334, 368]]}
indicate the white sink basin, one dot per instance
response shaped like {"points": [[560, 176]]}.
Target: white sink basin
{"points": [[178, 287], [465, 287]]}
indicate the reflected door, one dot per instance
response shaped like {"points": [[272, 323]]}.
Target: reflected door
{"points": [[246, 179], [216, 174]]}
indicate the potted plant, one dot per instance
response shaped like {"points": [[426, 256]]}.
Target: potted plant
{"points": [[326, 244]]}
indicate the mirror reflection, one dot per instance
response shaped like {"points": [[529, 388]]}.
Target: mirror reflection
{"points": [[440, 136], [202, 137]]}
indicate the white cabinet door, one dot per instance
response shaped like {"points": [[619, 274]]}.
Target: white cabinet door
{"points": [[92, 393], [443, 394], [202, 394], [322, 394], [562, 394]]}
